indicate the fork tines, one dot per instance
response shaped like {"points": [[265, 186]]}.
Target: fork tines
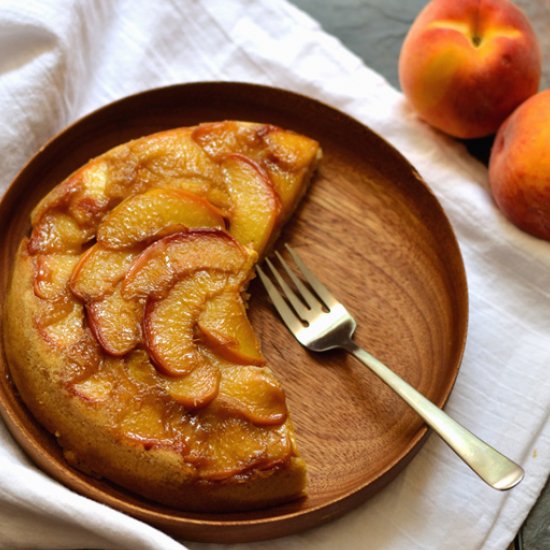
{"points": [[305, 303]]}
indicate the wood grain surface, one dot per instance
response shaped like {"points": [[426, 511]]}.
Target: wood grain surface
{"points": [[369, 228]]}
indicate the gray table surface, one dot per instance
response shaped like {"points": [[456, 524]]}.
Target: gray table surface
{"points": [[374, 30]]}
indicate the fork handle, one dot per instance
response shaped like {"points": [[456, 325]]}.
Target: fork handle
{"points": [[491, 466]]}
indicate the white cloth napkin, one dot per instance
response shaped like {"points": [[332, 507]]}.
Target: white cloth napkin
{"points": [[61, 59]]}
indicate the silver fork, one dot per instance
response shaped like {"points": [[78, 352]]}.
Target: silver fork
{"points": [[319, 322]]}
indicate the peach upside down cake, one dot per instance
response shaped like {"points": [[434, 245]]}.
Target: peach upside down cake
{"points": [[126, 329]]}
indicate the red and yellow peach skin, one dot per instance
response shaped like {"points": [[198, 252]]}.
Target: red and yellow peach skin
{"points": [[519, 167], [465, 65]]}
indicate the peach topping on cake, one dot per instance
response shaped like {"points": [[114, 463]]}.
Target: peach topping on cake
{"points": [[131, 340]]}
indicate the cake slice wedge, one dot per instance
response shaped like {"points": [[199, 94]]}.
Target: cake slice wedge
{"points": [[126, 327]]}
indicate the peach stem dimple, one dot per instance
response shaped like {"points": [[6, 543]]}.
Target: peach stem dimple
{"points": [[475, 31]]}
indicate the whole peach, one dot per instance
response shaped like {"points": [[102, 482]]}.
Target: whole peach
{"points": [[519, 166], [465, 65]]}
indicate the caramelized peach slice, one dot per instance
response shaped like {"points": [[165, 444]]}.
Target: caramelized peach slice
{"points": [[170, 159], [155, 213], [109, 385], [175, 154], [194, 185], [52, 274], [133, 169], [90, 203], [287, 157], [95, 388], [292, 152], [154, 423], [116, 322], [49, 312], [227, 331], [196, 389], [141, 371], [60, 322], [171, 258], [81, 197], [222, 138], [213, 191], [98, 272], [290, 161], [83, 359], [146, 424], [256, 205], [225, 447], [58, 232], [57, 199], [122, 179], [168, 324], [254, 393]]}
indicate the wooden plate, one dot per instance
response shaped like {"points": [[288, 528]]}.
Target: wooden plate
{"points": [[372, 231]]}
